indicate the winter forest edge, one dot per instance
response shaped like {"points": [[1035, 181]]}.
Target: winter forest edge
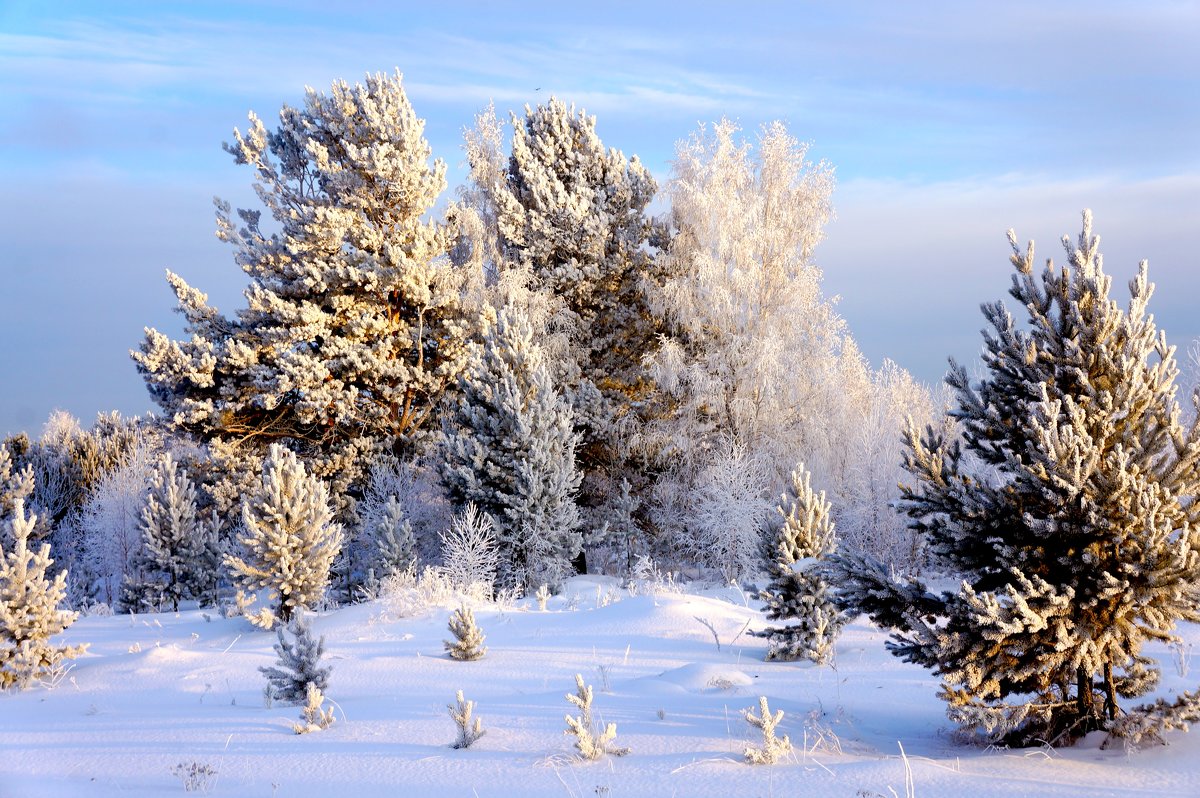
{"points": [[469, 398]]}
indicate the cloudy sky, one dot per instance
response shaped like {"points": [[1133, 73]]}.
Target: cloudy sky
{"points": [[947, 124]]}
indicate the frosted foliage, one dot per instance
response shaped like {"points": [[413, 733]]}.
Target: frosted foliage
{"points": [[754, 352], [16, 486], [29, 608], [393, 538], [509, 448], [773, 748], [1067, 508], [469, 556], [479, 232], [867, 520], [470, 727], [313, 715], [467, 644], [798, 592], [111, 522], [352, 327], [574, 213], [291, 539], [728, 514], [414, 486], [572, 228], [592, 741], [299, 663], [178, 549]]}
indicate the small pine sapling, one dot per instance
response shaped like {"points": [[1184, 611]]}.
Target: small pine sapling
{"points": [[590, 743], [470, 728], [29, 613], [467, 644], [804, 538], [773, 747], [298, 665], [314, 716], [395, 544]]}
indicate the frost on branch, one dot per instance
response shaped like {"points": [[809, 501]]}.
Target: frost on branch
{"points": [[470, 728], [591, 742], [352, 330], [773, 748], [29, 608], [299, 663], [291, 538], [804, 538], [179, 552], [509, 448], [1067, 508], [467, 644], [313, 715]]}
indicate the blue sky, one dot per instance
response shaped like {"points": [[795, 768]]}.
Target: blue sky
{"points": [[947, 124]]}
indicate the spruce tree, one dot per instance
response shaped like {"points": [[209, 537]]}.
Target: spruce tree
{"points": [[178, 549], [29, 607], [509, 448], [291, 539], [395, 546], [804, 538], [299, 663], [352, 329], [574, 214], [1068, 510]]}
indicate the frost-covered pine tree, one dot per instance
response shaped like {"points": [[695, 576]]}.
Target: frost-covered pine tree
{"points": [[29, 607], [395, 547], [16, 486], [299, 663], [467, 644], [1068, 510], [352, 330], [804, 538], [178, 551], [573, 214], [509, 448], [291, 539]]}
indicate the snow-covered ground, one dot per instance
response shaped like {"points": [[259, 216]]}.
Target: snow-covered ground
{"points": [[157, 691]]}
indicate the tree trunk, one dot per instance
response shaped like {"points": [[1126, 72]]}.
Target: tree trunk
{"points": [[1110, 693], [1083, 686]]}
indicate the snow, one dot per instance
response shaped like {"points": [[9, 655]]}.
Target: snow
{"points": [[155, 691]]}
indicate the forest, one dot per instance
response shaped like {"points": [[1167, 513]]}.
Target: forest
{"points": [[485, 397]]}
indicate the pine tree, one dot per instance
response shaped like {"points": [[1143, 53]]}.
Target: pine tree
{"points": [[591, 741], [470, 727], [766, 721], [804, 538], [510, 449], [291, 538], [395, 546], [352, 330], [16, 486], [574, 214], [1067, 509], [299, 663], [467, 644], [29, 608], [178, 553]]}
